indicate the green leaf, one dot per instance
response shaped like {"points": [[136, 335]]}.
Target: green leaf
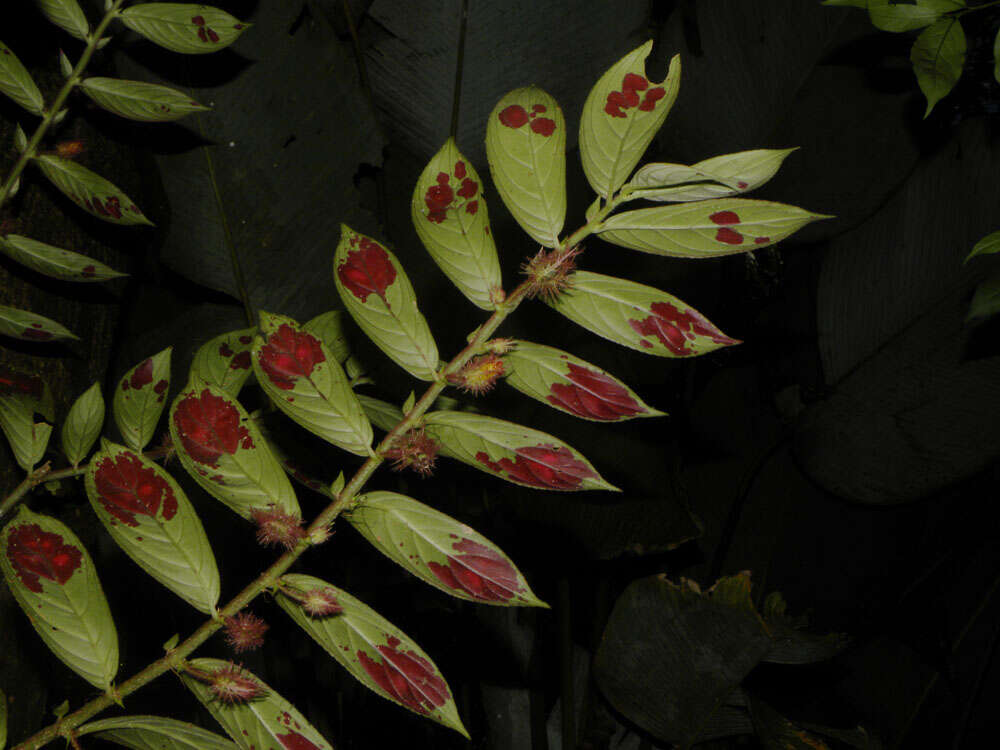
{"points": [[139, 399], [379, 655], [225, 452], [150, 518], [27, 326], [269, 721], [888, 16], [380, 413], [621, 116], [224, 361], [83, 424], [53, 579], [17, 83], [67, 15], [54, 261], [20, 397], [526, 150], [449, 212], [571, 385], [985, 300], [996, 57], [638, 316], [155, 733], [518, 454], [329, 328], [182, 27], [378, 295], [988, 245], [705, 229], [441, 551], [90, 191], [135, 100], [302, 378], [938, 56]]}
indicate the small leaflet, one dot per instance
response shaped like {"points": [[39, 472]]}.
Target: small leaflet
{"points": [[224, 361], [988, 245], [83, 425], [140, 397], [379, 655], [90, 191], [329, 327], [159, 732], [21, 396], [938, 56], [182, 27], [510, 451], [622, 114], [378, 295], [54, 261], [526, 150], [27, 326], [381, 413], [53, 580], [137, 100], [268, 722], [67, 15], [569, 384], [440, 551], [639, 317], [150, 518], [449, 212], [17, 83]]}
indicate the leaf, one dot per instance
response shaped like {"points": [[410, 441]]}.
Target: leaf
{"points": [[225, 452], [449, 212], [996, 57], [888, 16], [17, 83], [938, 56], [378, 295], [53, 579], [572, 385], [155, 733], [379, 655], [28, 439], [526, 150], [150, 518], [382, 414], [139, 399], [224, 361], [439, 550], [182, 27], [54, 261], [638, 316], [778, 733], [67, 15], [136, 100], [985, 300], [518, 454], [83, 424], [90, 191], [621, 116], [302, 378], [269, 722], [329, 328], [28, 326]]}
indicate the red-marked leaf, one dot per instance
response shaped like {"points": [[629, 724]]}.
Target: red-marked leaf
{"points": [[137, 100], [140, 397], [182, 27], [54, 261], [329, 327], [83, 424], [21, 396], [151, 519], [90, 191], [53, 579], [224, 361], [378, 295], [512, 452], [27, 326], [17, 83], [224, 451], [441, 551], [154, 732], [638, 316], [373, 650], [572, 385]]}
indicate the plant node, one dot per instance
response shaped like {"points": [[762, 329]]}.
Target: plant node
{"points": [[479, 374], [276, 528], [549, 272], [245, 632], [413, 450]]}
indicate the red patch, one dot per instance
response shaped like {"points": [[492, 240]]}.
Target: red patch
{"points": [[407, 677], [142, 375], [34, 553], [479, 572], [651, 98], [36, 334], [209, 426], [224, 350], [88, 272], [198, 20], [513, 116], [126, 487], [634, 82], [241, 361], [725, 217], [539, 108], [471, 207], [728, 236], [761, 240], [367, 270], [245, 340], [619, 101], [28, 385], [295, 741], [161, 386], [593, 395], [742, 185], [438, 199], [547, 466], [459, 170], [290, 354], [469, 187], [543, 126], [674, 328]]}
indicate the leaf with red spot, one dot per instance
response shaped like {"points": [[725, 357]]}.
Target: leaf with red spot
{"points": [[224, 451], [21, 396], [67, 15], [449, 212], [518, 454], [151, 519], [266, 723], [54, 261], [140, 397], [304, 380], [53, 580], [379, 655], [638, 316], [572, 385], [137, 100], [526, 150], [705, 229], [27, 326], [90, 191], [182, 27], [329, 327], [17, 83], [621, 116], [378, 295], [159, 732], [83, 424], [441, 551], [224, 361]]}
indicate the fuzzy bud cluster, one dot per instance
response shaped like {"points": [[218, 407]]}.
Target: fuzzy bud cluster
{"points": [[479, 374], [276, 528], [414, 450], [550, 272]]}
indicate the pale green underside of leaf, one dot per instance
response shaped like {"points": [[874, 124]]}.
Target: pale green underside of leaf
{"points": [[329, 327], [88, 189], [360, 628], [382, 414], [67, 15], [17, 83], [54, 261], [155, 733], [27, 438], [985, 300], [988, 245], [137, 411], [529, 168], [172, 26], [938, 56], [888, 16], [212, 366], [136, 100], [27, 326], [73, 618], [83, 424]]}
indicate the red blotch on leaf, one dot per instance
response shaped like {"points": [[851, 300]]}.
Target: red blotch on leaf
{"points": [[209, 426], [634, 82], [36, 334], [34, 554], [246, 340], [547, 466], [471, 207], [14, 382], [538, 108], [543, 126], [88, 272], [513, 116], [224, 350], [761, 240], [479, 572], [160, 386], [619, 101], [742, 185], [241, 361], [367, 270], [295, 741], [125, 488], [651, 98], [725, 217], [593, 395], [289, 355], [729, 236], [198, 20], [407, 677], [674, 329], [469, 188], [459, 170], [142, 375]]}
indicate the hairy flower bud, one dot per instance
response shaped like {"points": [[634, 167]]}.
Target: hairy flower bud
{"points": [[479, 374], [550, 271], [245, 632], [413, 450], [320, 603], [230, 685], [275, 527]]}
